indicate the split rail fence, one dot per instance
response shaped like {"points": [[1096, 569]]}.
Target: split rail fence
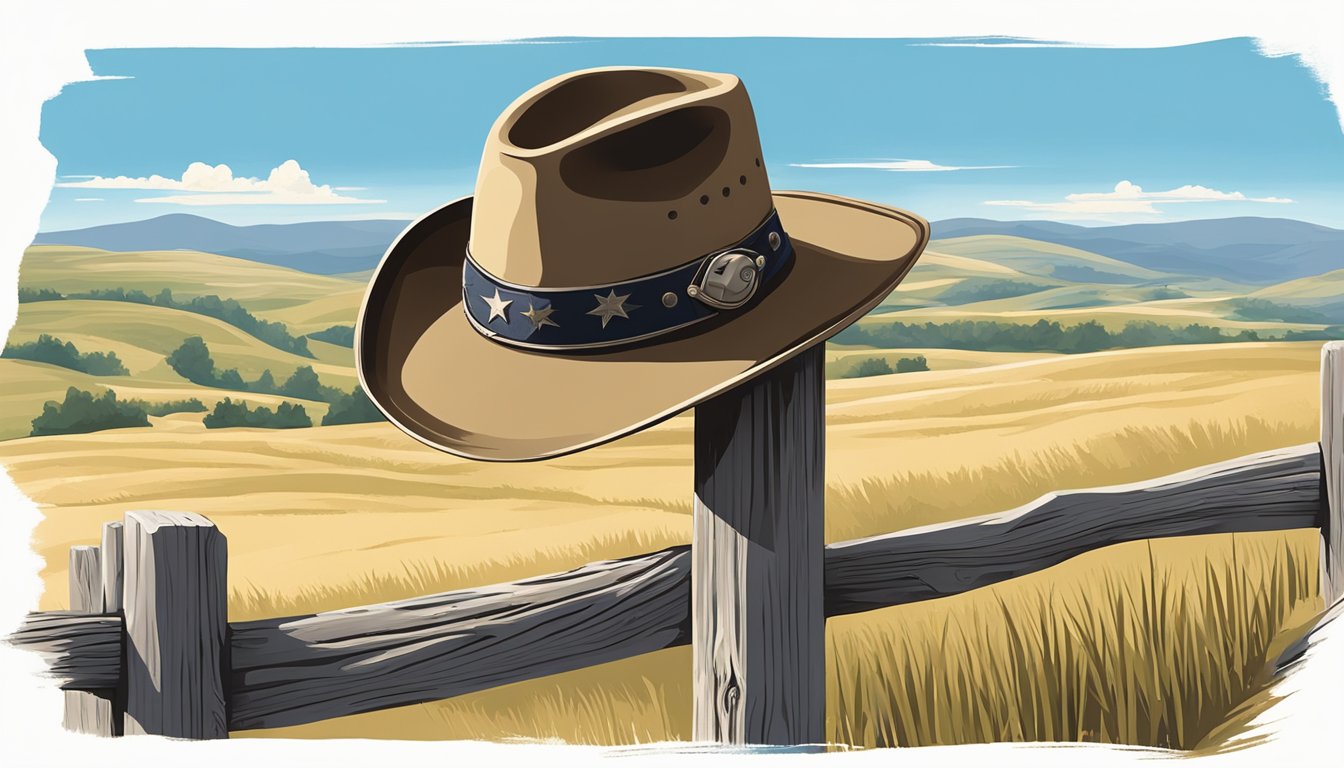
{"points": [[147, 647]]}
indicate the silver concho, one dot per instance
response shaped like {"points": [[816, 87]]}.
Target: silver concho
{"points": [[729, 280]]}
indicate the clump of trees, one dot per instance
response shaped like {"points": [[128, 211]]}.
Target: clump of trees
{"points": [[1041, 336], [28, 295], [86, 412], [878, 366], [228, 413], [341, 335], [228, 310], [49, 349], [192, 361], [354, 408]]}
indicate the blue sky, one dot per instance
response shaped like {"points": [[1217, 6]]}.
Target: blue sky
{"points": [[1073, 134]]}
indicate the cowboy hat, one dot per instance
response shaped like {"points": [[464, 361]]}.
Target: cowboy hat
{"points": [[623, 259]]}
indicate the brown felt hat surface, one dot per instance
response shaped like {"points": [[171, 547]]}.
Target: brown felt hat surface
{"points": [[555, 207]]}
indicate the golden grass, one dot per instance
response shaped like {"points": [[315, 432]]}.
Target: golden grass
{"points": [[310, 509], [1148, 643], [876, 505], [252, 601]]}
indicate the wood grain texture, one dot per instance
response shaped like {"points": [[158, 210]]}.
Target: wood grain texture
{"points": [[758, 624], [1275, 490], [88, 711], [113, 577], [86, 580], [1332, 451], [82, 652], [302, 669], [289, 671], [176, 625]]}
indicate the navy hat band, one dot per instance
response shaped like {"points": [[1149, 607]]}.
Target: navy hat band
{"points": [[635, 310]]}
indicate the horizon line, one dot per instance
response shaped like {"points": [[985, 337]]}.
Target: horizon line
{"points": [[408, 219]]}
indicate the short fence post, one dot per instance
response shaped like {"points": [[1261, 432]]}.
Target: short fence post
{"points": [[176, 625], [758, 623], [91, 712], [1332, 465]]}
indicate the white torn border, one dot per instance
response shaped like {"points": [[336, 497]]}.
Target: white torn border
{"points": [[41, 48]]}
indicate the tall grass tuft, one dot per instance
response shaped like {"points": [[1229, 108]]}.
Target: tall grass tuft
{"points": [[1154, 650]]}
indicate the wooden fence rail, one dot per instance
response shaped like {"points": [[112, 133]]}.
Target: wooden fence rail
{"points": [[167, 662]]}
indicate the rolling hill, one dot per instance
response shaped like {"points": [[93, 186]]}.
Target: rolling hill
{"points": [[1242, 249], [1005, 278], [320, 247], [1238, 250]]}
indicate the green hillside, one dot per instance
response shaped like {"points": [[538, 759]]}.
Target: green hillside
{"points": [[187, 273], [1034, 257], [143, 335]]}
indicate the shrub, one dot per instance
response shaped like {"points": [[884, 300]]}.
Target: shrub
{"points": [[192, 362], [85, 412], [354, 408], [869, 366], [305, 384], [912, 364], [228, 413], [878, 366], [49, 349], [341, 335]]}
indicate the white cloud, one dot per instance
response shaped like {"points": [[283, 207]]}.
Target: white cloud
{"points": [[88, 199], [902, 166], [287, 184], [1130, 198]]}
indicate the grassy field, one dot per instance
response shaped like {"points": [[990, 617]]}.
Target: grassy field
{"points": [[1102, 647], [903, 450]]}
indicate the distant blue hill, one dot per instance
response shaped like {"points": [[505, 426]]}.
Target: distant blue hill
{"points": [[1245, 249], [320, 247], [1242, 250]]}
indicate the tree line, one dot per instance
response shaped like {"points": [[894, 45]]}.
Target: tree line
{"points": [[228, 310], [51, 350], [1050, 336]]}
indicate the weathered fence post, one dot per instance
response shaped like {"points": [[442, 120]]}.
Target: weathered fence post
{"points": [[1332, 469], [758, 623], [92, 712], [176, 625]]}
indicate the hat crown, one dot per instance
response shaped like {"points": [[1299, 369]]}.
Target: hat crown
{"points": [[606, 175]]}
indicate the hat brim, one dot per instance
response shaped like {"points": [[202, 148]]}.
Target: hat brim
{"points": [[433, 375]]}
